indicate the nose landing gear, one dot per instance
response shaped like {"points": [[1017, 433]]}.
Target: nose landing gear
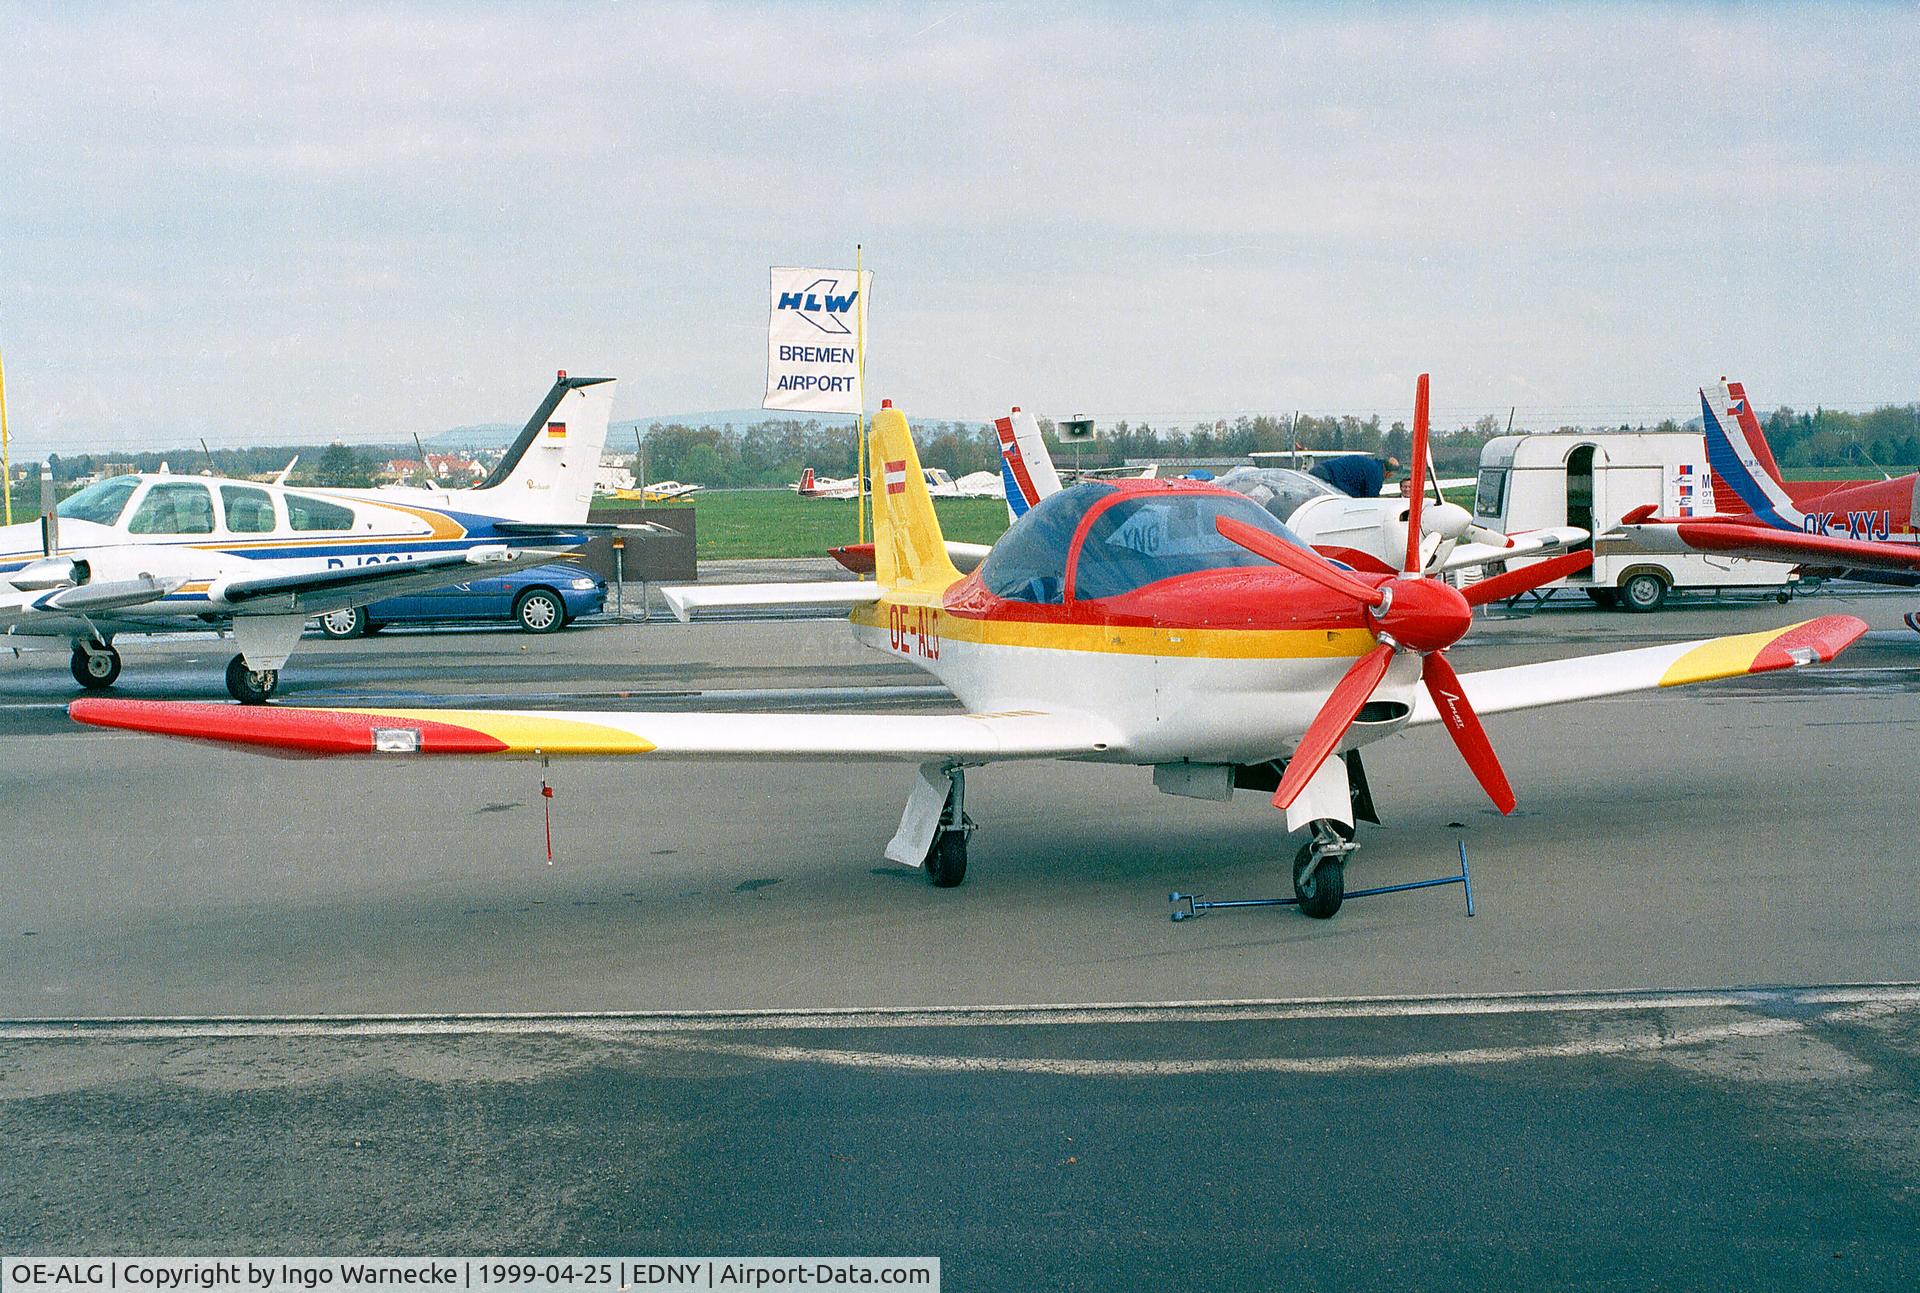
{"points": [[1320, 868]]}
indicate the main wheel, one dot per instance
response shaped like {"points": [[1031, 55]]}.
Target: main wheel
{"points": [[540, 611], [250, 686], [1645, 591], [96, 669], [947, 859], [1607, 597], [1320, 893], [350, 623]]}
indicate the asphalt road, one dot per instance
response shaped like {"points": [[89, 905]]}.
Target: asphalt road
{"points": [[1755, 833]]}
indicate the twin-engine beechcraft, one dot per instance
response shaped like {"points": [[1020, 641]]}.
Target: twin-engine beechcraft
{"points": [[1165, 623], [154, 552], [1865, 530]]}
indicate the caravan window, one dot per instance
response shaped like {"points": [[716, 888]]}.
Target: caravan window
{"points": [[1490, 499]]}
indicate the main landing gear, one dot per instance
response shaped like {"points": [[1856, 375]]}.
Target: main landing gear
{"points": [[946, 860], [95, 664], [247, 685]]}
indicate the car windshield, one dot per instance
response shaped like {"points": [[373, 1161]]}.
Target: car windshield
{"points": [[1281, 490], [101, 502], [1144, 540]]}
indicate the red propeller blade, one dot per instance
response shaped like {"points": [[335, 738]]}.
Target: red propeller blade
{"points": [[1306, 564], [1332, 722], [1463, 725], [1416, 486], [1500, 587]]}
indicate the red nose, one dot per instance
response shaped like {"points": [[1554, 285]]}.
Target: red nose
{"points": [[1424, 615]]}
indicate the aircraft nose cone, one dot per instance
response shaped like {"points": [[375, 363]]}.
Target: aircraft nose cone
{"points": [[1425, 615]]}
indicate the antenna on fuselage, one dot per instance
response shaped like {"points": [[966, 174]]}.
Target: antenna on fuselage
{"points": [[286, 471], [425, 465], [208, 455]]}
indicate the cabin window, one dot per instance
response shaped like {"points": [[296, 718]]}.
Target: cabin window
{"points": [[174, 507], [1490, 495], [1029, 564], [248, 510], [101, 502], [305, 513], [1143, 540]]}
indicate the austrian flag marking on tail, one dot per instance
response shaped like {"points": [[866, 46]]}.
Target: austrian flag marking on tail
{"points": [[896, 476]]}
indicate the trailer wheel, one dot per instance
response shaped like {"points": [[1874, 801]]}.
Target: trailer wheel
{"points": [[1643, 592]]}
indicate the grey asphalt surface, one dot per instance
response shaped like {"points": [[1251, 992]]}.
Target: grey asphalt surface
{"points": [[1754, 833]]}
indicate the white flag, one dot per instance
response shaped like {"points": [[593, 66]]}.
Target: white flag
{"points": [[813, 360]]}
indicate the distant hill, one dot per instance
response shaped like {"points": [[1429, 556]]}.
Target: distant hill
{"points": [[494, 435]]}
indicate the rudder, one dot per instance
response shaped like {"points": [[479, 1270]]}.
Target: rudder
{"points": [[909, 552]]}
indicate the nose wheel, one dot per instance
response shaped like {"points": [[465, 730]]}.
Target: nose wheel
{"points": [[1320, 868], [95, 665], [250, 686]]}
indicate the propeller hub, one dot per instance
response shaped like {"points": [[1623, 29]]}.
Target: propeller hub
{"points": [[1423, 615]]}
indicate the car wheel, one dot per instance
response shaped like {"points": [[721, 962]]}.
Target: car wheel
{"points": [[349, 623], [539, 611], [1645, 591]]}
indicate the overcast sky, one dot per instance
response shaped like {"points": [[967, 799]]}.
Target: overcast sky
{"points": [[260, 224]]}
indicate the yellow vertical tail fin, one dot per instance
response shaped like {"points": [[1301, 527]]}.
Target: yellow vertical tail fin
{"points": [[909, 553]]}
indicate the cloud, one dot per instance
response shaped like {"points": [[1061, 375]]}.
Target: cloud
{"points": [[399, 218]]}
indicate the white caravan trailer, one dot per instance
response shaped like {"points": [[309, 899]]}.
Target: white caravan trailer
{"points": [[1592, 481]]}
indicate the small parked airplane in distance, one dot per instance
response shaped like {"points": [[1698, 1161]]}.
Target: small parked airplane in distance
{"points": [[1863, 530], [1170, 624], [155, 552]]}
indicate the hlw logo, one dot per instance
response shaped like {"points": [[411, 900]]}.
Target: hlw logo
{"points": [[820, 305]]}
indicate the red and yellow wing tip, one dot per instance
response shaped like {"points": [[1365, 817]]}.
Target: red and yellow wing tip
{"points": [[1808, 642], [293, 730]]}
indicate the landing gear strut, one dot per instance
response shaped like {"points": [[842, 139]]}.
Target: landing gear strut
{"points": [[95, 665], [1320, 868], [946, 860], [250, 686]]}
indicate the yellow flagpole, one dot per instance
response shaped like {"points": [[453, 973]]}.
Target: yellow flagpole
{"points": [[860, 382], [6, 447]]}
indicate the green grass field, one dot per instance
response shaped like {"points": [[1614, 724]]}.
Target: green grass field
{"points": [[779, 523]]}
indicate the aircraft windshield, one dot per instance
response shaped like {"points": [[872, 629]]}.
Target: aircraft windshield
{"points": [[1029, 564], [1280, 490], [1160, 536], [101, 502]]}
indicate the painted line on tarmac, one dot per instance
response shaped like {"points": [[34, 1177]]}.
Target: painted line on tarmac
{"points": [[1875, 997]]}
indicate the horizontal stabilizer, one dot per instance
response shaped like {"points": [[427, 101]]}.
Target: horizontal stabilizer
{"points": [[685, 599]]}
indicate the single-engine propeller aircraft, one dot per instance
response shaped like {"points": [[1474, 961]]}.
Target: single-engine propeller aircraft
{"points": [[1159, 622], [1863, 530], [155, 552]]}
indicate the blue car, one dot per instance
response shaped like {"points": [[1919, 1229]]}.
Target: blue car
{"points": [[540, 599]]}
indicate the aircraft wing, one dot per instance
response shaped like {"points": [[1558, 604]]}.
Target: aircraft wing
{"points": [[685, 599], [1555, 682], [319, 591], [1742, 538], [872, 738], [1527, 543]]}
